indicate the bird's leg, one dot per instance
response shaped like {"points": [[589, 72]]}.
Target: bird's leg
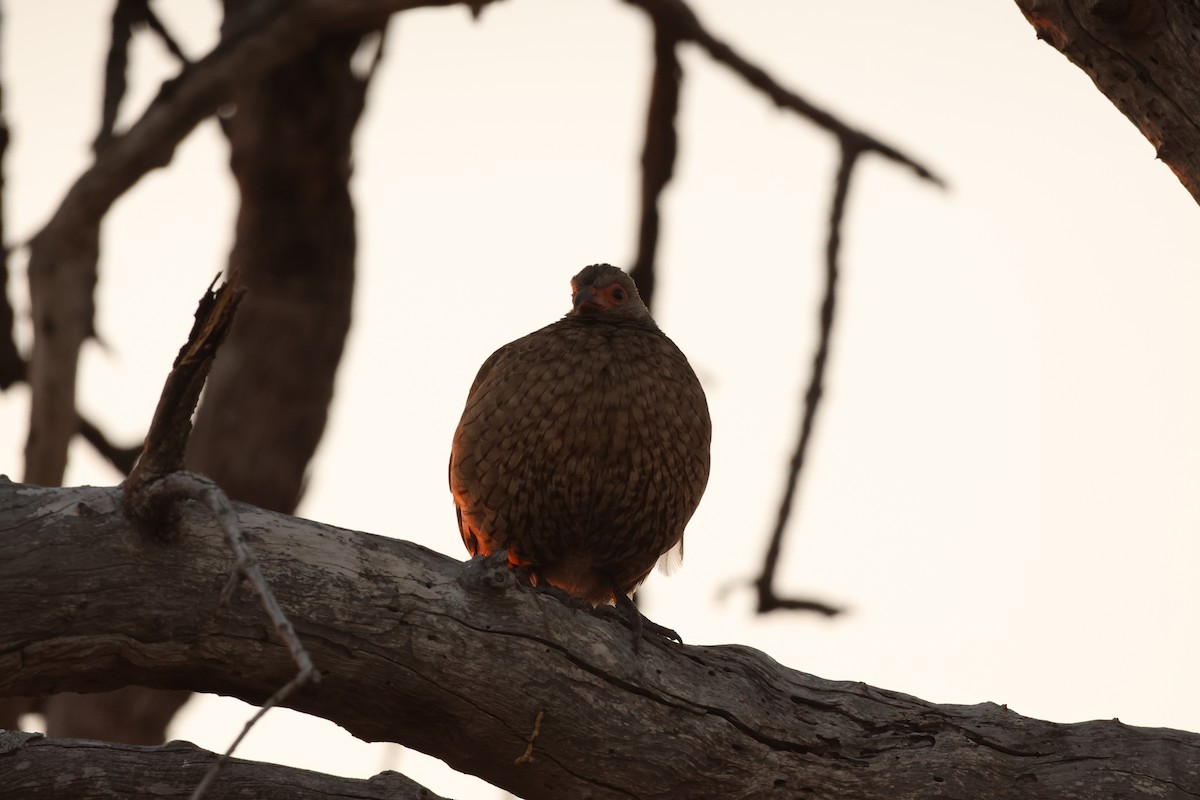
{"points": [[529, 575], [641, 624], [545, 587], [526, 574], [627, 612]]}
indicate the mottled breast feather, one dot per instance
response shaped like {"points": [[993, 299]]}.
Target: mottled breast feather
{"points": [[583, 450]]}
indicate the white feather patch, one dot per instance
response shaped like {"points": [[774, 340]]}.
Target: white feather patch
{"points": [[671, 560]]}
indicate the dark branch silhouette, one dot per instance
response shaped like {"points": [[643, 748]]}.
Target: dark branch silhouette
{"points": [[127, 16], [122, 458], [171, 426], [687, 27], [12, 368], [658, 153], [155, 24], [767, 599], [674, 21]]}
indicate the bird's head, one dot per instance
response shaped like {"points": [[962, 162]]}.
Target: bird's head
{"points": [[602, 291]]}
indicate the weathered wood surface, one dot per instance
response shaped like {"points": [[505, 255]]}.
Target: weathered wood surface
{"points": [[1144, 55], [36, 768], [457, 661]]}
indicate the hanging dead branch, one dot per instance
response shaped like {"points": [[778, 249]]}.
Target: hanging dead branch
{"points": [[675, 22]]}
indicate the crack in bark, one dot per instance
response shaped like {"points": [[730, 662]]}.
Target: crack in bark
{"points": [[661, 698], [736, 731]]}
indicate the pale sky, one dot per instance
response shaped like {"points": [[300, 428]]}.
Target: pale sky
{"points": [[1002, 486]]}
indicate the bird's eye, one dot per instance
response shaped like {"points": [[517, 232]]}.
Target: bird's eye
{"points": [[618, 294]]}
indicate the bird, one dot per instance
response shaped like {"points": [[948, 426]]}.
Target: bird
{"points": [[584, 447]]}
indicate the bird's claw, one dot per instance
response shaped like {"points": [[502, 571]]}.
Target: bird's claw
{"points": [[564, 597], [628, 615]]}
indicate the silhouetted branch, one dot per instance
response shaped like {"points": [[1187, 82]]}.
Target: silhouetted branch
{"points": [[674, 21], [687, 27], [12, 367], [767, 599], [155, 24], [123, 458], [62, 256], [126, 14], [166, 441], [658, 152]]}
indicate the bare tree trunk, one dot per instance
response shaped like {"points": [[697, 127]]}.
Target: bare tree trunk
{"points": [[268, 395]]}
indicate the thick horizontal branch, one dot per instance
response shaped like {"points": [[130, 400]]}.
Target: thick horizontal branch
{"points": [[460, 662], [1143, 55], [36, 768]]}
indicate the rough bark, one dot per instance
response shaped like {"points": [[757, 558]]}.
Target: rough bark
{"points": [[1144, 55], [459, 662], [36, 768], [267, 398]]}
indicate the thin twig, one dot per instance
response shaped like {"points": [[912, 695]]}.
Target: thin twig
{"points": [[172, 489], [678, 18], [155, 24], [767, 599], [658, 152], [158, 485], [166, 441], [122, 458], [214, 769], [180, 486], [126, 14], [687, 26]]}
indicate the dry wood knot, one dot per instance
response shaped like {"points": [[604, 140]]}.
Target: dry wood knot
{"points": [[15, 740], [1129, 18], [490, 574]]}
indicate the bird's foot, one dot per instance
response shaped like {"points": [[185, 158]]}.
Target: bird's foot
{"points": [[627, 613], [563, 596]]}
